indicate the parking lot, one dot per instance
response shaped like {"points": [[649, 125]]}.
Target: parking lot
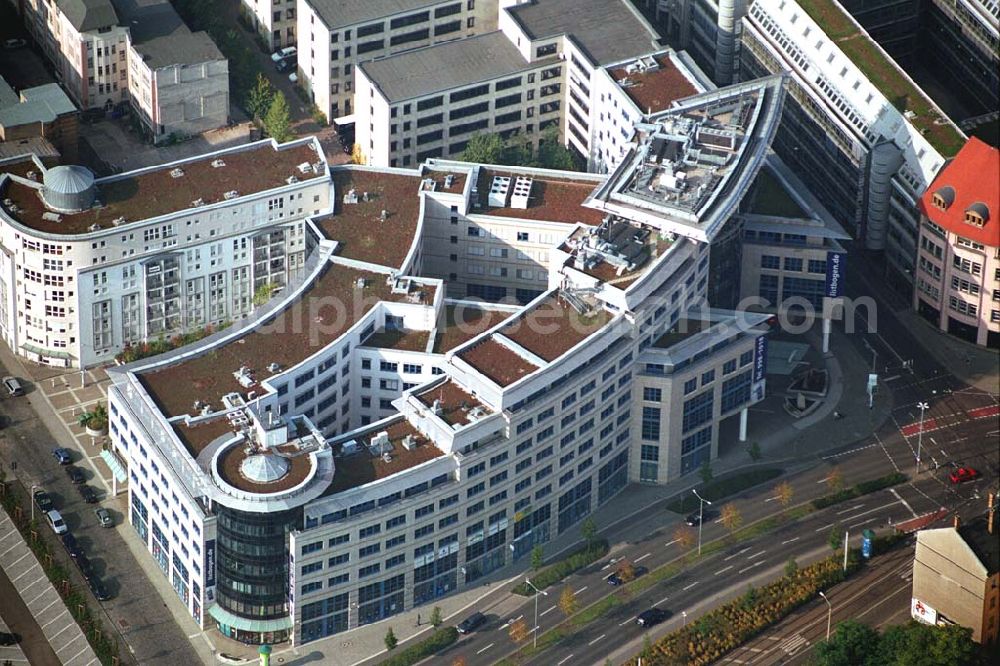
{"points": [[42, 600]]}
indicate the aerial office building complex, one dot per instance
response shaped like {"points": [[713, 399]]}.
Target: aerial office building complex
{"points": [[388, 438]]}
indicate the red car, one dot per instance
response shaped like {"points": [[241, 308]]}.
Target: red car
{"points": [[963, 474]]}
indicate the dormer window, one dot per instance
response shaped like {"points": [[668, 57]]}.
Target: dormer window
{"points": [[977, 214], [943, 197]]}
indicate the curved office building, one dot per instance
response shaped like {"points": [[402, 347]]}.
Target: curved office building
{"points": [[471, 360]]}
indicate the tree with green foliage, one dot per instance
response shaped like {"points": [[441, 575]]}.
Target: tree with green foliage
{"points": [[754, 451], [483, 148], [705, 471], [277, 122], [537, 557], [390, 640], [259, 98], [835, 539], [588, 530], [436, 618], [911, 644], [552, 154], [791, 566]]}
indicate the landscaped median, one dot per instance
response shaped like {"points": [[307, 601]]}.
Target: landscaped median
{"points": [[862, 488], [437, 641], [554, 573], [100, 639]]}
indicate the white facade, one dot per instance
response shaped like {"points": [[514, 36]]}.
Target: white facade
{"points": [[273, 20]]}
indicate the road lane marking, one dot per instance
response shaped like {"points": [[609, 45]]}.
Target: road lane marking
{"points": [[863, 522], [581, 589], [564, 660], [726, 559], [485, 648], [722, 571], [670, 543], [596, 639], [690, 586], [853, 508], [905, 503], [755, 564], [622, 624], [640, 559], [549, 610], [755, 555], [770, 499], [825, 527], [788, 541], [662, 601]]}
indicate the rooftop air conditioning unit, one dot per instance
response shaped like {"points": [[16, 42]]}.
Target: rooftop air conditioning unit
{"points": [[449, 180], [176, 173], [118, 220], [409, 442], [94, 227], [361, 283], [217, 163], [273, 367], [305, 167], [291, 180], [198, 202], [231, 194], [387, 457]]}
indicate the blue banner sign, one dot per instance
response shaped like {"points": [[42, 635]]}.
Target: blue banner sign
{"points": [[760, 358], [835, 264], [210, 563]]}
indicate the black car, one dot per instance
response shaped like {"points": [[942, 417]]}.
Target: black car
{"points": [[287, 65], [97, 587], [88, 494], [43, 501], [7, 638], [72, 545], [75, 475], [471, 623], [86, 568], [695, 518], [617, 579], [648, 618]]}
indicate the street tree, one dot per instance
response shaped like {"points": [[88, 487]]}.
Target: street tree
{"points": [[791, 566], [588, 530], [537, 557], [626, 571], [835, 480], [684, 536], [567, 601], [390, 640], [835, 539], [731, 517], [259, 98], [436, 619], [784, 493], [518, 631], [277, 121], [705, 471]]}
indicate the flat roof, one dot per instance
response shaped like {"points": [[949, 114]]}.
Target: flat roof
{"points": [[461, 323], [635, 244], [196, 437], [681, 331], [553, 327], [609, 31], [499, 363], [337, 13], [290, 336], [455, 402], [418, 72], [360, 468], [654, 90], [401, 340], [41, 104], [358, 227], [151, 193], [885, 74], [551, 199], [230, 463]]}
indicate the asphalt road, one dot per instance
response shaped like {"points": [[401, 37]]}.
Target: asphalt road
{"points": [[137, 612]]}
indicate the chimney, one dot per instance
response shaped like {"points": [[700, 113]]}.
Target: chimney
{"points": [[990, 503], [957, 521]]}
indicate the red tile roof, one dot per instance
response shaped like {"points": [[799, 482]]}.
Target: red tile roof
{"points": [[974, 175]]}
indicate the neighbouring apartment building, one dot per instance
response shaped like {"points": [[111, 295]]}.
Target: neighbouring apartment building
{"points": [[334, 36], [273, 20], [408, 419], [39, 112], [108, 52], [956, 577], [89, 266], [958, 264]]}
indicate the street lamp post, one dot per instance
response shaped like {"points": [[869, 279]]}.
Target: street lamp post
{"points": [[537, 592], [829, 614], [701, 515], [920, 433], [32, 499]]}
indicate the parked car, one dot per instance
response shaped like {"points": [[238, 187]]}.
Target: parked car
{"points": [[13, 385], [56, 522], [75, 475], [16, 43], [104, 517], [42, 500], [97, 587], [72, 545], [287, 52], [287, 64], [86, 568], [88, 494], [648, 618], [963, 474], [471, 623], [61, 455], [7, 638]]}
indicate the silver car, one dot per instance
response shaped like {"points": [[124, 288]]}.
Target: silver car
{"points": [[104, 518]]}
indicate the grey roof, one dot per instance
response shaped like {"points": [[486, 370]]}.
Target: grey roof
{"points": [[609, 31], [69, 179], [163, 39], [7, 95], [40, 104], [88, 15], [454, 64], [337, 13], [35, 145]]}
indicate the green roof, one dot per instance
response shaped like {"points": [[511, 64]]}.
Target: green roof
{"points": [[771, 198], [885, 74]]}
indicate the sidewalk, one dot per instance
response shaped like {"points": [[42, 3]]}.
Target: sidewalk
{"points": [[974, 365], [41, 598]]}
